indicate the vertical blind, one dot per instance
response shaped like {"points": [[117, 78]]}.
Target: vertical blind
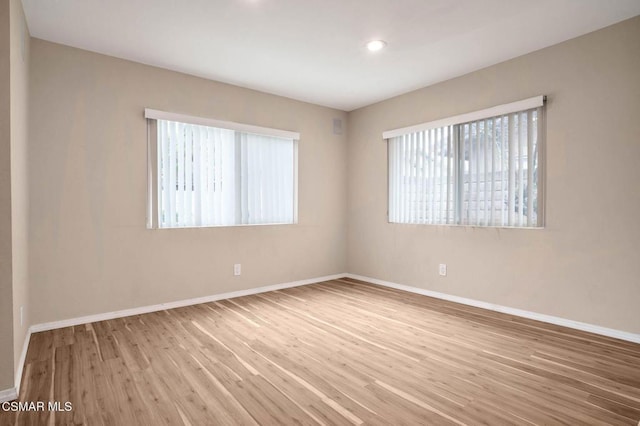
{"points": [[421, 177], [208, 176], [483, 172]]}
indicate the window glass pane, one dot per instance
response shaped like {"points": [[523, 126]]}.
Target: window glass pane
{"points": [[481, 173], [209, 176]]}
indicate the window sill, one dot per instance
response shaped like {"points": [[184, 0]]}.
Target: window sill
{"points": [[452, 225], [222, 226]]}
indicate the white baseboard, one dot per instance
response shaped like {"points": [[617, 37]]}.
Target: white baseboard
{"points": [[170, 305], [12, 393], [23, 358], [8, 395], [596, 329]]}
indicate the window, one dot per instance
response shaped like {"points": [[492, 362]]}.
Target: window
{"points": [[480, 169], [212, 173]]}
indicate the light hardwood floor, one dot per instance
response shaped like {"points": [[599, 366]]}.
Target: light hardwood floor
{"points": [[340, 352]]}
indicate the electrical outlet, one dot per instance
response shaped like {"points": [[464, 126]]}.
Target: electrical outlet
{"points": [[21, 316], [442, 269], [237, 269]]}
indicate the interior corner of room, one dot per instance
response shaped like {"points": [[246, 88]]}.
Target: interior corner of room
{"points": [[75, 246]]}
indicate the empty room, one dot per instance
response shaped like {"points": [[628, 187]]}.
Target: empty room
{"points": [[337, 212]]}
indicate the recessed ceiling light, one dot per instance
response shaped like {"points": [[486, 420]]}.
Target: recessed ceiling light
{"points": [[375, 45]]}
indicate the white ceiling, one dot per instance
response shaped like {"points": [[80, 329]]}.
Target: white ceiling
{"points": [[313, 50]]}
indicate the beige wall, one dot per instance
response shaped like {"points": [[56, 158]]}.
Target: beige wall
{"points": [[90, 251], [6, 316], [585, 265], [20, 41]]}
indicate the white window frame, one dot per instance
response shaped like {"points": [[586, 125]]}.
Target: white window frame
{"points": [[153, 115], [499, 110]]}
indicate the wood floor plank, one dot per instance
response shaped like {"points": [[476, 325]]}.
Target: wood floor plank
{"points": [[339, 352]]}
